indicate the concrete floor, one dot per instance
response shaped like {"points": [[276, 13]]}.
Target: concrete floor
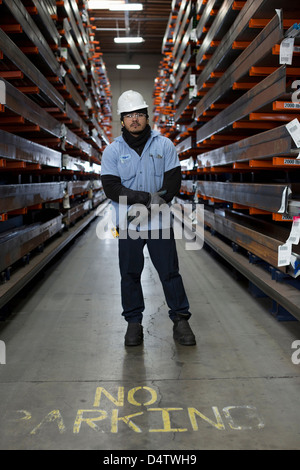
{"points": [[69, 382]]}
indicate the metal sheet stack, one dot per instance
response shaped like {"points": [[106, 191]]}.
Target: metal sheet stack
{"points": [[55, 120], [226, 94]]}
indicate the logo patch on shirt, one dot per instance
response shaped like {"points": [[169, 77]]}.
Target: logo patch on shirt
{"points": [[159, 156], [124, 158]]}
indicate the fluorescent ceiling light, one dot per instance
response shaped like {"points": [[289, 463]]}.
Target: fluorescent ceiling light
{"points": [[128, 40], [128, 67], [126, 7], [104, 4], [117, 5], [111, 29]]}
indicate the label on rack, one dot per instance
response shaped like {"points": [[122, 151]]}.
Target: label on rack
{"points": [[84, 16], [66, 201], [88, 103], [284, 254], [62, 71], [293, 128], [193, 36], [64, 52], [295, 232], [284, 198], [291, 105], [193, 92], [291, 161], [63, 130], [193, 79], [286, 51], [65, 160], [2, 92]]}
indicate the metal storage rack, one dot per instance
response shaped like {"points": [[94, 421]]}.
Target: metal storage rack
{"points": [[55, 120], [232, 100]]}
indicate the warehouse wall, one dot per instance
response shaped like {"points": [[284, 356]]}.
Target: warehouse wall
{"points": [[140, 80]]}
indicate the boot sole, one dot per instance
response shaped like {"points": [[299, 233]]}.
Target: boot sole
{"points": [[192, 342], [129, 343]]}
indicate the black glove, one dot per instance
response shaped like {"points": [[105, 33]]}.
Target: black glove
{"points": [[157, 199], [154, 199]]}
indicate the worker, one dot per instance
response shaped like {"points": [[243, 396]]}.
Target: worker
{"points": [[143, 167]]}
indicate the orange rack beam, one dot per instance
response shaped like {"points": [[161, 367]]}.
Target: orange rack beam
{"points": [[275, 163], [281, 218], [262, 71], [253, 211], [11, 28], [10, 74], [243, 86], [240, 44], [238, 5], [261, 23], [272, 117], [254, 125]]}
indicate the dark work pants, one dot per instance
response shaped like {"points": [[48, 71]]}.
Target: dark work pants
{"points": [[164, 257]]}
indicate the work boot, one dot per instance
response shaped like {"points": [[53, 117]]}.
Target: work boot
{"points": [[182, 332], [134, 334]]}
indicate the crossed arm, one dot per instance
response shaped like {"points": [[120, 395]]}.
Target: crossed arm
{"points": [[113, 188]]}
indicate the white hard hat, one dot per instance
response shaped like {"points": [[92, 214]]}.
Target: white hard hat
{"points": [[130, 101]]}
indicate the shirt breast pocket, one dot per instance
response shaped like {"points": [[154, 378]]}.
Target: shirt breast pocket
{"points": [[158, 170], [126, 168], [159, 165]]}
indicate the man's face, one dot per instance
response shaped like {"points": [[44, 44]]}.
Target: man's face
{"points": [[135, 122]]}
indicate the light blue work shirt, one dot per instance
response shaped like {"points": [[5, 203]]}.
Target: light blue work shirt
{"points": [[140, 173]]}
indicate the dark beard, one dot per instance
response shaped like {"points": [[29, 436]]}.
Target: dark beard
{"points": [[138, 141]]}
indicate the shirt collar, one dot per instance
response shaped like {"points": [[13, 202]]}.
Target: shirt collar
{"points": [[153, 134]]}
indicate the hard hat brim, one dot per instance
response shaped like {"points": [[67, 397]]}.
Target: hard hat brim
{"points": [[136, 108]]}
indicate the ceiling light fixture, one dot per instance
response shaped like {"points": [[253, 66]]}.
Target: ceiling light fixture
{"points": [[111, 29], [128, 67], [128, 39], [117, 5], [103, 4], [126, 7]]}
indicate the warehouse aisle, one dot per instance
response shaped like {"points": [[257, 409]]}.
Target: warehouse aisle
{"points": [[69, 382]]}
